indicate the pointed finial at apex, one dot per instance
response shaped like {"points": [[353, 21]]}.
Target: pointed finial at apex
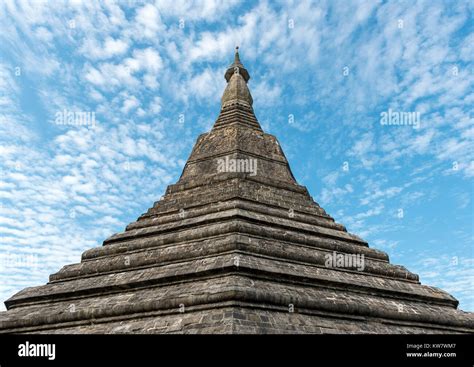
{"points": [[237, 64], [236, 58]]}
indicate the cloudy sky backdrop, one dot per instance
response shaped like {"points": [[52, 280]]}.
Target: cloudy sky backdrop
{"points": [[322, 73]]}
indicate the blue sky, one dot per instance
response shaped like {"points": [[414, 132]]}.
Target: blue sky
{"points": [[322, 73]]}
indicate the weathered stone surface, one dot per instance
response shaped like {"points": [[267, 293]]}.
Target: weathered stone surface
{"points": [[233, 252]]}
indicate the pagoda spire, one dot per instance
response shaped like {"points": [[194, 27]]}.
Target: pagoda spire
{"points": [[237, 64], [236, 56], [237, 77]]}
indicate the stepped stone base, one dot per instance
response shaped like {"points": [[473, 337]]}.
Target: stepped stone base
{"points": [[244, 320]]}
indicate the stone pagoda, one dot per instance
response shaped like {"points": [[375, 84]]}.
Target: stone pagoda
{"points": [[235, 246]]}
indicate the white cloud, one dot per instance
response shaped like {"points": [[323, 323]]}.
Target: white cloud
{"points": [[148, 59], [129, 104], [330, 194], [266, 94], [149, 21], [156, 105], [111, 47]]}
